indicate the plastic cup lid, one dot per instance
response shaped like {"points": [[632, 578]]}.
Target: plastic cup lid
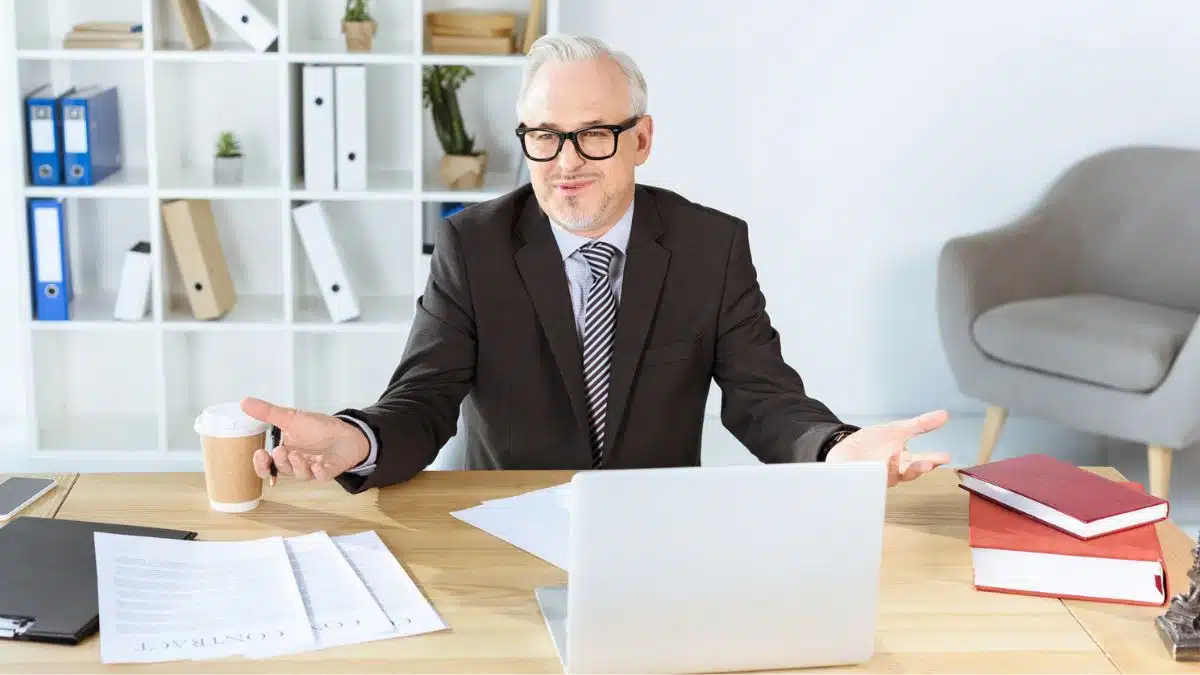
{"points": [[226, 420]]}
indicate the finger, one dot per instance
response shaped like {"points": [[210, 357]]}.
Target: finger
{"points": [[280, 455], [934, 458], [924, 423], [262, 463], [915, 469], [299, 465], [893, 466], [280, 416], [322, 469]]}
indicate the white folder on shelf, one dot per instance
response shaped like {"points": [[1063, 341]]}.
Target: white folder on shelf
{"points": [[247, 21], [350, 97], [320, 155], [133, 296], [312, 223]]}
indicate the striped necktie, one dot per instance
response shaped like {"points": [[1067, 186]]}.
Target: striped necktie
{"points": [[600, 318]]}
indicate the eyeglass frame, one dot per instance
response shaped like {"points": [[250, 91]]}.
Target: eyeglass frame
{"points": [[564, 136]]}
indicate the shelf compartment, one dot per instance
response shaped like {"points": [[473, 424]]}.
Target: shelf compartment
{"points": [[206, 368], [390, 143], [99, 233], [171, 40], [349, 370], [375, 240], [113, 408], [315, 33], [250, 243], [518, 8], [488, 104], [129, 79], [44, 23], [196, 101]]}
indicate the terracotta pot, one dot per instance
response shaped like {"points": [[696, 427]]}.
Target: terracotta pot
{"points": [[359, 35], [463, 172]]}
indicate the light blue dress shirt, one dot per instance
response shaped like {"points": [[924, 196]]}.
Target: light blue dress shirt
{"points": [[578, 281]]}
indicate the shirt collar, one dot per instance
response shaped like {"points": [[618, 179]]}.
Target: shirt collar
{"points": [[618, 235]]}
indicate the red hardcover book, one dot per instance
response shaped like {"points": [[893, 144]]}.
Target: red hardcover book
{"points": [[1074, 500], [1011, 553]]}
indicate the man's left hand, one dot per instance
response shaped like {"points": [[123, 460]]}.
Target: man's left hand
{"points": [[889, 442]]}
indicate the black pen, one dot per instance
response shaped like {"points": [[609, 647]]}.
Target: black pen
{"points": [[270, 461]]}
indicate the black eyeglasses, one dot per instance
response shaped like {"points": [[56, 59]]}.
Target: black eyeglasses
{"points": [[595, 143]]}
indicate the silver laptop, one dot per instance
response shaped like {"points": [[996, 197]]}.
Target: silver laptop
{"points": [[720, 568]]}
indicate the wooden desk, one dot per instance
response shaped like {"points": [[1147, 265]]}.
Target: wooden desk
{"points": [[48, 504], [930, 618]]}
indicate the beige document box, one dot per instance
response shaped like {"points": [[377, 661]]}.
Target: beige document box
{"points": [[195, 30], [197, 247]]}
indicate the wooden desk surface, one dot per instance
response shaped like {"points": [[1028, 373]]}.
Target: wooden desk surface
{"points": [[930, 617]]}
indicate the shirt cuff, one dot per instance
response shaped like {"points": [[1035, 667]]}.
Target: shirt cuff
{"points": [[368, 464], [834, 438]]}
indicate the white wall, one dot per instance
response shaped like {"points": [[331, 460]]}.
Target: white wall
{"points": [[856, 136]]}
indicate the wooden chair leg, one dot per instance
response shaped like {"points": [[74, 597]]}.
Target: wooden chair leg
{"points": [[1159, 462], [992, 423]]}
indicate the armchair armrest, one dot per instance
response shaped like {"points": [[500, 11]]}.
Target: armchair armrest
{"points": [[1019, 261], [1174, 401]]}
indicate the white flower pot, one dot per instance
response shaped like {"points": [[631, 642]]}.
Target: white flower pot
{"points": [[227, 170]]}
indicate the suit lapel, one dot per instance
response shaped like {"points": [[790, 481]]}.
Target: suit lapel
{"points": [[540, 264], [645, 270]]}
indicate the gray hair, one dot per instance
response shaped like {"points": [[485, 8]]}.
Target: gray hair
{"points": [[569, 48]]}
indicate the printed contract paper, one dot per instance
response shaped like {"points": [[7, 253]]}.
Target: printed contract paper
{"points": [[167, 600], [395, 591], [339, 607]]}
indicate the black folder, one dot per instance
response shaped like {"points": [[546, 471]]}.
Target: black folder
{"points": [[48, 577]]}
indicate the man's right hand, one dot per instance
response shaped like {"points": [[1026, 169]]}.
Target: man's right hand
{"points": [[311, 445]]}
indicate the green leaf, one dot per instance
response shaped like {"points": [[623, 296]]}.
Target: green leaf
{"points": [[356, 10], [439, 87], [227, 145]]}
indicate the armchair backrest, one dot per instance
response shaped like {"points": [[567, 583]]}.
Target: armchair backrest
{"points": [[1127, 222]]}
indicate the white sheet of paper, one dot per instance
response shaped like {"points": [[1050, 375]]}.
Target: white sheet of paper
{"points": [[561, 492], [538, 522], [169, 600], [390, 584], [338, 605]]}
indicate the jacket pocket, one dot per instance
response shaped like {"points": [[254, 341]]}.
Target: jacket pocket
{"points": [[673, 351]]}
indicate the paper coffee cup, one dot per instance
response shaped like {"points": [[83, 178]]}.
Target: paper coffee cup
{"points": [[229, 438]]}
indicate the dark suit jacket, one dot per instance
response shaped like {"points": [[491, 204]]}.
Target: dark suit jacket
{"points": [[495, 326]]}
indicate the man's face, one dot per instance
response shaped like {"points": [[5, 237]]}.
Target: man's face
{"points": [[582, 194]]}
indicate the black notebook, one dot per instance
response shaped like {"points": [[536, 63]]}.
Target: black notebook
{"points": [[48, 577]]}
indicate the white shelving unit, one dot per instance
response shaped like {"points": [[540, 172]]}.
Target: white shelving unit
{"points": [[100, 389]]}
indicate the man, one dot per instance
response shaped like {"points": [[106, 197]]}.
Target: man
{"points": [[582, 319]]}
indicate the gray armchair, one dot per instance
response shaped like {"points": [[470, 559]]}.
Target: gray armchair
{"points": [[1084, 310]]}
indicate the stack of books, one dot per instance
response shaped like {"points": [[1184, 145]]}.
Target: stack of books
{"points": [[104, 35], [471, 32], [1041, 526]]}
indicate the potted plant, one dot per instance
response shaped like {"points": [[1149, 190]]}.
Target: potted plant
{"points": [[462, 166], [227, 164], [358, 26]]}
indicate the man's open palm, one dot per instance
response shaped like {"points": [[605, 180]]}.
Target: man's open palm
{"points": [[889, 443], [311, 445]]}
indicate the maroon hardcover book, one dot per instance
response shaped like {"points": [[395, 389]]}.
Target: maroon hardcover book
{"points": [[1062, 495]]}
